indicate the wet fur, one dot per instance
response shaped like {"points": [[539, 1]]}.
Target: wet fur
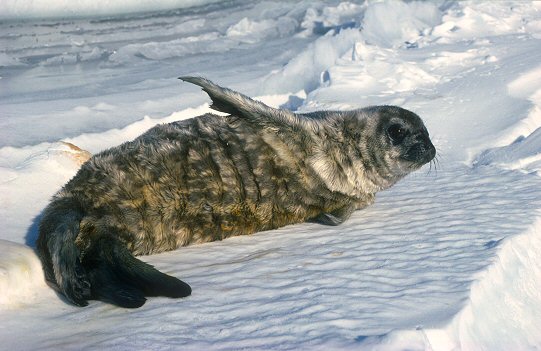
{"points": [[211, 177]]}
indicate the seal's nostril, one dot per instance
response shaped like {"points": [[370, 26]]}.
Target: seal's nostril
{"points": [[420, 152]]}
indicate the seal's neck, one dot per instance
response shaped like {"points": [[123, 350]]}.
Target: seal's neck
{"points": [[336, 160]]}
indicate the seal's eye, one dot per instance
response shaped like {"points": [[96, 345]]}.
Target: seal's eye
{"points": [[397, 133]]}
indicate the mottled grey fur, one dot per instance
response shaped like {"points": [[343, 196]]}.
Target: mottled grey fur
{"points": [[211, 177]]}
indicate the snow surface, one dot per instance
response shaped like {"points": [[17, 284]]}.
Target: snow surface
{"points": [[448, 259], [27, 9]]}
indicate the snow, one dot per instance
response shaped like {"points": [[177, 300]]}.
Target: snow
{"points": [[415, 18], [21, 275], [26, 9], [448, 259], [505, 298]]}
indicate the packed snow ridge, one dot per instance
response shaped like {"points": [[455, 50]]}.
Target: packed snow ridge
{"points": [[448, 259]]}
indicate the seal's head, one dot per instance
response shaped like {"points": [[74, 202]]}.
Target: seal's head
{"points": [[407, 137], [398, 144]]}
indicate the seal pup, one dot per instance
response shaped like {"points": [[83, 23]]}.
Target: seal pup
{"points": [[211, 177]]}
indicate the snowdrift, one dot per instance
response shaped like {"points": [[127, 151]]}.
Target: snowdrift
{"points": [[21, 275]]}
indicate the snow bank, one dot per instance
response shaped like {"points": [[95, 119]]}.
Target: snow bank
{"points": [[340, 24], [175, 48], [21, 275], [244, 31], [250, 31], [475, 19], [480, 114], [519, 147], [344, 15], [28, 178], [95, 142], [308, 70], [305, 70], [22, 9], [503, 312], [391, 23]]}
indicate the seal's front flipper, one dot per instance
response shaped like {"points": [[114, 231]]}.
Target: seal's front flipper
{"points": [[121, 279], [326, 219], [333, 218]]}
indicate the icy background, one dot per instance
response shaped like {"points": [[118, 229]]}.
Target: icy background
{"points": [[445, 260]]}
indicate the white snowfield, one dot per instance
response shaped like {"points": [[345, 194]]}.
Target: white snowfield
{"points": [[448, 259]]}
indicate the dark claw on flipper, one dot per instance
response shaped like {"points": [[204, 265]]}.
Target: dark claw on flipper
{"points": [[326, 219]]}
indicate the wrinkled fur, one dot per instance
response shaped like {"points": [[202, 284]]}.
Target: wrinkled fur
{"points": [[211, 177]]}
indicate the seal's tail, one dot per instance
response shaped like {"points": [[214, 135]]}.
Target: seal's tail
{"points": [[107, 271]]}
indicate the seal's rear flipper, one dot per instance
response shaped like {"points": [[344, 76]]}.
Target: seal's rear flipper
{"points": [[108, 287], [59, 255], [121, 279], [106, 271], [224, 99], [237, 104]]}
